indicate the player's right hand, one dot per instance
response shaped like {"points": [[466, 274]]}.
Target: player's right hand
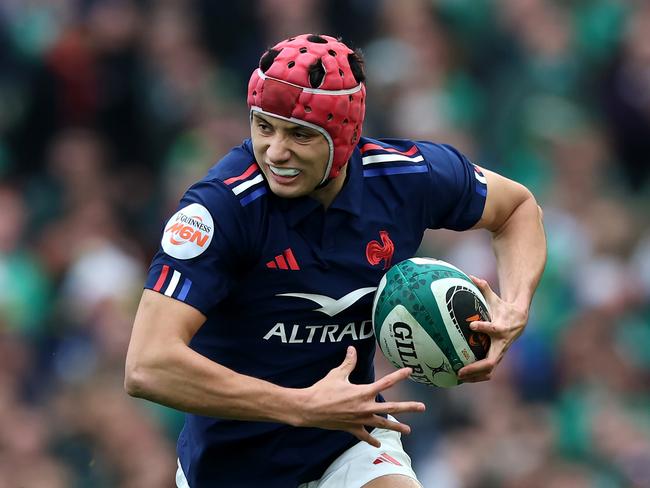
{"points": [[335, 403]]}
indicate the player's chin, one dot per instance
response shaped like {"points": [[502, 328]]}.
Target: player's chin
{"points": [[288, 191], [284, 193]]}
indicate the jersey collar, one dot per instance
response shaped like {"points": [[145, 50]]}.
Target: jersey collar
{"points": [[351, 195]]}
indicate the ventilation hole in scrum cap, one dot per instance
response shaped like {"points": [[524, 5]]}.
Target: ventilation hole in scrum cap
{"points": [[332, 52], [316, 74], [291, 64], [350, 97], [268, 58], [329, 117], [307, 108], [345, 121], [303, 50], [317, 39], [341, 73]]}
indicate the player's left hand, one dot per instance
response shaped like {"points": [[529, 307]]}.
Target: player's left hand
{"points": [[507, 324]]}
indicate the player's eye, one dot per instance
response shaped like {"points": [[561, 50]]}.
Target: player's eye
{"points": [[302, 136], [264, 127]]}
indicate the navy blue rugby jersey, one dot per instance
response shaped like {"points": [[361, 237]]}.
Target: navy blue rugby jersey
{"points": [[287, 286]]}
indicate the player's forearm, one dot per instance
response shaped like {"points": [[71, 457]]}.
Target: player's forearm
{"points": [[187, 381], [520, 249]]}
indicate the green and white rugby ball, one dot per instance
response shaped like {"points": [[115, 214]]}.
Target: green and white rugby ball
{"points": [[421, 315]]}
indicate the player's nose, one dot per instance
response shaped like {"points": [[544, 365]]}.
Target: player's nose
{"points": [[278, 150]]}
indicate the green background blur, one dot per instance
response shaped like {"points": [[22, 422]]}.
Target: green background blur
{"points": [[109, 109]]}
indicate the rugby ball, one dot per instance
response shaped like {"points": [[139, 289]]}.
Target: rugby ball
{"points": [[421, 315]]}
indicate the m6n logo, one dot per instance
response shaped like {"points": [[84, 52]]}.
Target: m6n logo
{"points": [[188, 233]]}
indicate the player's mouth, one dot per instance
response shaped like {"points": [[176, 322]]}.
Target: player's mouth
{"points": [[283, 175]]}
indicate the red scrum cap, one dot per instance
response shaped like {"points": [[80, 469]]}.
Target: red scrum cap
{"points": [[315, 81]]}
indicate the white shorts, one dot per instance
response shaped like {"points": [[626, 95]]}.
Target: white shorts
{"points": [[363, 463], [357, 466]]}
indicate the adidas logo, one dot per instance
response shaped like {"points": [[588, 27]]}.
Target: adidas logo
{"points": [[286, 260], [385, 458]]}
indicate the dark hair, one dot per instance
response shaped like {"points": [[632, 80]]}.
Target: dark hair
{"points": [[267, 59], [357, 65], [316, 73], [317, 39]]}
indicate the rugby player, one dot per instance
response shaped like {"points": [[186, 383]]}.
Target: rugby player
{"points": [[256, 314]]}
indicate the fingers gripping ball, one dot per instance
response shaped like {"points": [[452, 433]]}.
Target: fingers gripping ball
{"points": [[421, 314]]}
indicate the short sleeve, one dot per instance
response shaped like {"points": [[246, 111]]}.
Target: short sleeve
{"points": [[199, 247], [457, 188]]}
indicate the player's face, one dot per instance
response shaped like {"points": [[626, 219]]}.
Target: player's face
{"points": [[293, 157]]}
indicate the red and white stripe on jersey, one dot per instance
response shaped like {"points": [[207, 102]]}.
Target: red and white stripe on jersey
{"points": [[249, 185], [378, 160], [169, 282], [249, 178], [370, 146], [383, 154]]}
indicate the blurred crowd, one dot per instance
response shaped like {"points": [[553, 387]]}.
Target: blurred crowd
{"points": [[109, 109]]}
